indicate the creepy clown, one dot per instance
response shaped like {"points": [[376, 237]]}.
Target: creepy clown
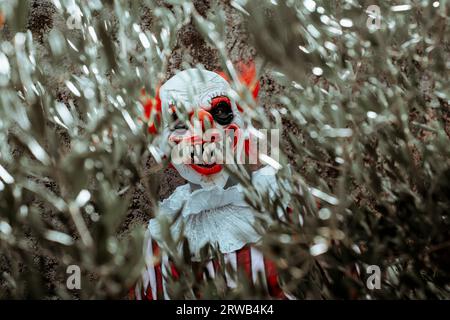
{"points": [[200, 124]]}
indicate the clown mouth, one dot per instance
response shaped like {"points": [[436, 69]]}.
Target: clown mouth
{"points": [[205, 167], [205, 155]]}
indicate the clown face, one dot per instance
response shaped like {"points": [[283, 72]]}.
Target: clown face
{"points": [[198, 115]]}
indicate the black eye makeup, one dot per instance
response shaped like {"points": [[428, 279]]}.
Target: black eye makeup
{"points": [[176, 123], [221, 110]]}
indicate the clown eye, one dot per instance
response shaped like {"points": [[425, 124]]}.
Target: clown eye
{"points": [[221, 110], [177, 124]]}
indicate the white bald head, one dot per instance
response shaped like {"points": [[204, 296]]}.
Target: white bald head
{"points": [[195, 91], [193, 88]]}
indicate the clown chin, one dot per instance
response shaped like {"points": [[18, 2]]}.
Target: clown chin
{"points": [[206, 176]]}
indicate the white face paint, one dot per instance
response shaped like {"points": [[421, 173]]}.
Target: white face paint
{"points": [[202, 97]]}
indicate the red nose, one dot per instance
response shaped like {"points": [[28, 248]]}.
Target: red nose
{"points": [[204, 118]]}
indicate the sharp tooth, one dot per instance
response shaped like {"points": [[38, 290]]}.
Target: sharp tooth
{"points": [[197, 153], [196, 160], [206, 157], [187, 158], [207, 151], [184, 155], [218, 156]]}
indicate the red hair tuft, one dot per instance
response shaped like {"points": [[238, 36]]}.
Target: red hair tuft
{"points": [[152, 111], [247, 76]]}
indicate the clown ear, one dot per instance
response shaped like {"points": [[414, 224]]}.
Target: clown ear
{"points": [[152, 111]]}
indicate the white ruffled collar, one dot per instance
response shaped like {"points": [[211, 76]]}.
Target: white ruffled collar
{"points": [[201, 199], [214, 215]]}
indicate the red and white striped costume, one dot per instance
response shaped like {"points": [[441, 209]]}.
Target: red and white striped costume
{"points": [[249, 259]]}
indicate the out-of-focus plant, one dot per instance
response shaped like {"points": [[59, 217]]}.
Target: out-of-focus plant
{"points": [[70, 153], [368, 103], [364, 112]]}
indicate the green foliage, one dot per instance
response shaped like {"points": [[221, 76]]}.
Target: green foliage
{"points": [[364, 113]]}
